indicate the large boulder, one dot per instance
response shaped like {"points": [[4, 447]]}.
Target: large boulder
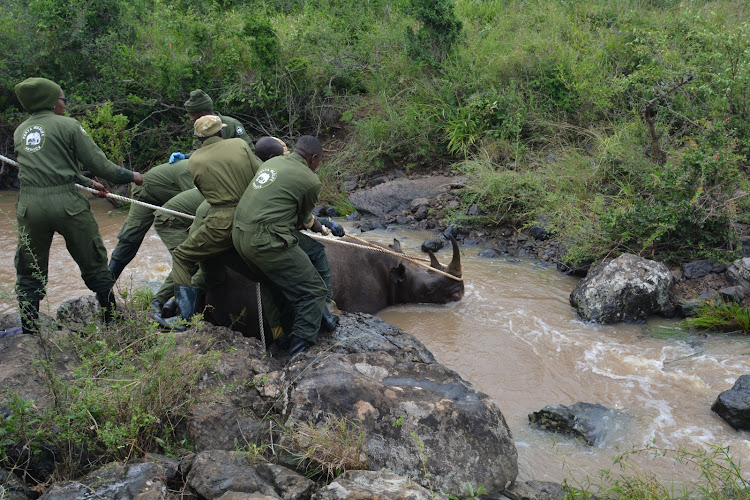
{"points": [[369, 485], [626, 289], [422, 420], [590, 423], [738, 274], [733, 405], [390, 198]]}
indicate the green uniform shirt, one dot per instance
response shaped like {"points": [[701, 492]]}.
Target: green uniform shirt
{"points": [[233, 130], [222, 169], [49, 147], [165, 181], [280, 198]]}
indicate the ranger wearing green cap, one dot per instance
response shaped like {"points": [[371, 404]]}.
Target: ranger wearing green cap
{"points": [[160, 184], [200, 104], [222, 170], [49, 147]]}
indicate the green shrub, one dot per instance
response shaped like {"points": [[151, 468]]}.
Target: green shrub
{"points": [[721, 317]]}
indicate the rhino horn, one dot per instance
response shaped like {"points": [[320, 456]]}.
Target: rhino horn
{"points": [[454, 267], [434, 262], [396, 246]]}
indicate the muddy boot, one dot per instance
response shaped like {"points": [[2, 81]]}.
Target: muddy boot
{"points": [[116, 268], [108, 306], [29, 317], [329, 321], [296, 346], [186, 298]]}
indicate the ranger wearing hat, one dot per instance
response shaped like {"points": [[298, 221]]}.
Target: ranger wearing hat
{"points": [[49, 147], [200, 104], [221, 169]]}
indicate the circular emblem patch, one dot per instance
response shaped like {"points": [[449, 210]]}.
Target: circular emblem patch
{"points": [[240, 131], [264, 178], [33, 138]]}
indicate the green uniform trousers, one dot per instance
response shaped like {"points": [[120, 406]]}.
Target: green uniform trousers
{"points": [[134, 229], [212, 238], [317, 253], [290, 271], [41, 212], [173, 230]]}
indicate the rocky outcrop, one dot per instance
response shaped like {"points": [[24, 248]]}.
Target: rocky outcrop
{"points": [[368, 485], [733, 405], [587, 422], [422, 421], [625, 289], [391, 198]]}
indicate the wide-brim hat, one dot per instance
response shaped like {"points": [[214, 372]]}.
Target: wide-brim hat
{"points": [[208, 125]]}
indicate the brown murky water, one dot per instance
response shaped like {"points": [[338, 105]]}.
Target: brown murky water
{"points": [[516, 338]]}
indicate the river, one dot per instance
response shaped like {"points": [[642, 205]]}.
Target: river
{"points": [[516, 338]]}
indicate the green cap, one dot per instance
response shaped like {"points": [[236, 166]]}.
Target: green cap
{"points": [[199, 101], [38, 93]]}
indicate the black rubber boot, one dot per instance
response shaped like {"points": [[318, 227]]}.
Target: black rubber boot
{"points": [[11, 331], [29, 316], [170, 308], [186, 298], [296, 346], [116, 268], [108, 305], [155, 306], [329, 321]]}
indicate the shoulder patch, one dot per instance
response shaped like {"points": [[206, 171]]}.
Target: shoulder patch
{"points": [[240, 130], [33, 138], [264, 178]]}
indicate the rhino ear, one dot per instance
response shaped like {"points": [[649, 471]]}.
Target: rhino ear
{"points": [[434, 262], [396, 246], [398, 274]]}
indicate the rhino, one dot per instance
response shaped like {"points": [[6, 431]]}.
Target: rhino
{"points": [[364, 280]]}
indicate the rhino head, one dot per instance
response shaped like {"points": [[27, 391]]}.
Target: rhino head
{"points": [[415, 284]]}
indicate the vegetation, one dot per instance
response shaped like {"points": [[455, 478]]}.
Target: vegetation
{"points": [[729, 317], [626, 124], [716, 476]]}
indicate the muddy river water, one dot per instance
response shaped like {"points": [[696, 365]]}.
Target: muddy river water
{"points": [[515, 337]]}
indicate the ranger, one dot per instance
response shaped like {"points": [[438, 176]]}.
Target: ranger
{"points": [[221, 170], [200, 104], [278, 201], [49, 147], [160, 184]]}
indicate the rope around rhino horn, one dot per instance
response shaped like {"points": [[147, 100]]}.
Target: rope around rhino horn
{"points": [[376, 248]]}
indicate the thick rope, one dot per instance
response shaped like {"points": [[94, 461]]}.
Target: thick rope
{"points": [[377, 248], [114, 196], [260, 316]]}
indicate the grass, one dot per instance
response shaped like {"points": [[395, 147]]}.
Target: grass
{"points": [[728, 317], [717, 475]]}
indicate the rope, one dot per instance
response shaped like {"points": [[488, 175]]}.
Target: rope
{"points": [[260, 316], [377, 248], [114, 196], [137, 202]]}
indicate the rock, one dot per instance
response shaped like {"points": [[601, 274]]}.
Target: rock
{"points": [[739, 274], [402, 220], [214, 473], [474, 210], [418, 203], [12, 488], [354, 216], [536, 490], [420, 417], [698, 268], [368, 485], [628, 288], [390, 198], [221, 426], [591, 423], [733, 405], [732, 294], [142, 480], [422, 213], [490, 253], [541, 229], [76, 314], [434, 244]]}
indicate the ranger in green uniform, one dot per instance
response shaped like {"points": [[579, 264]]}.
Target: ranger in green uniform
{"points": [[278, 201], [173, 230], [200, 104], [50, 147], [160, 184], [221, 169]]}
